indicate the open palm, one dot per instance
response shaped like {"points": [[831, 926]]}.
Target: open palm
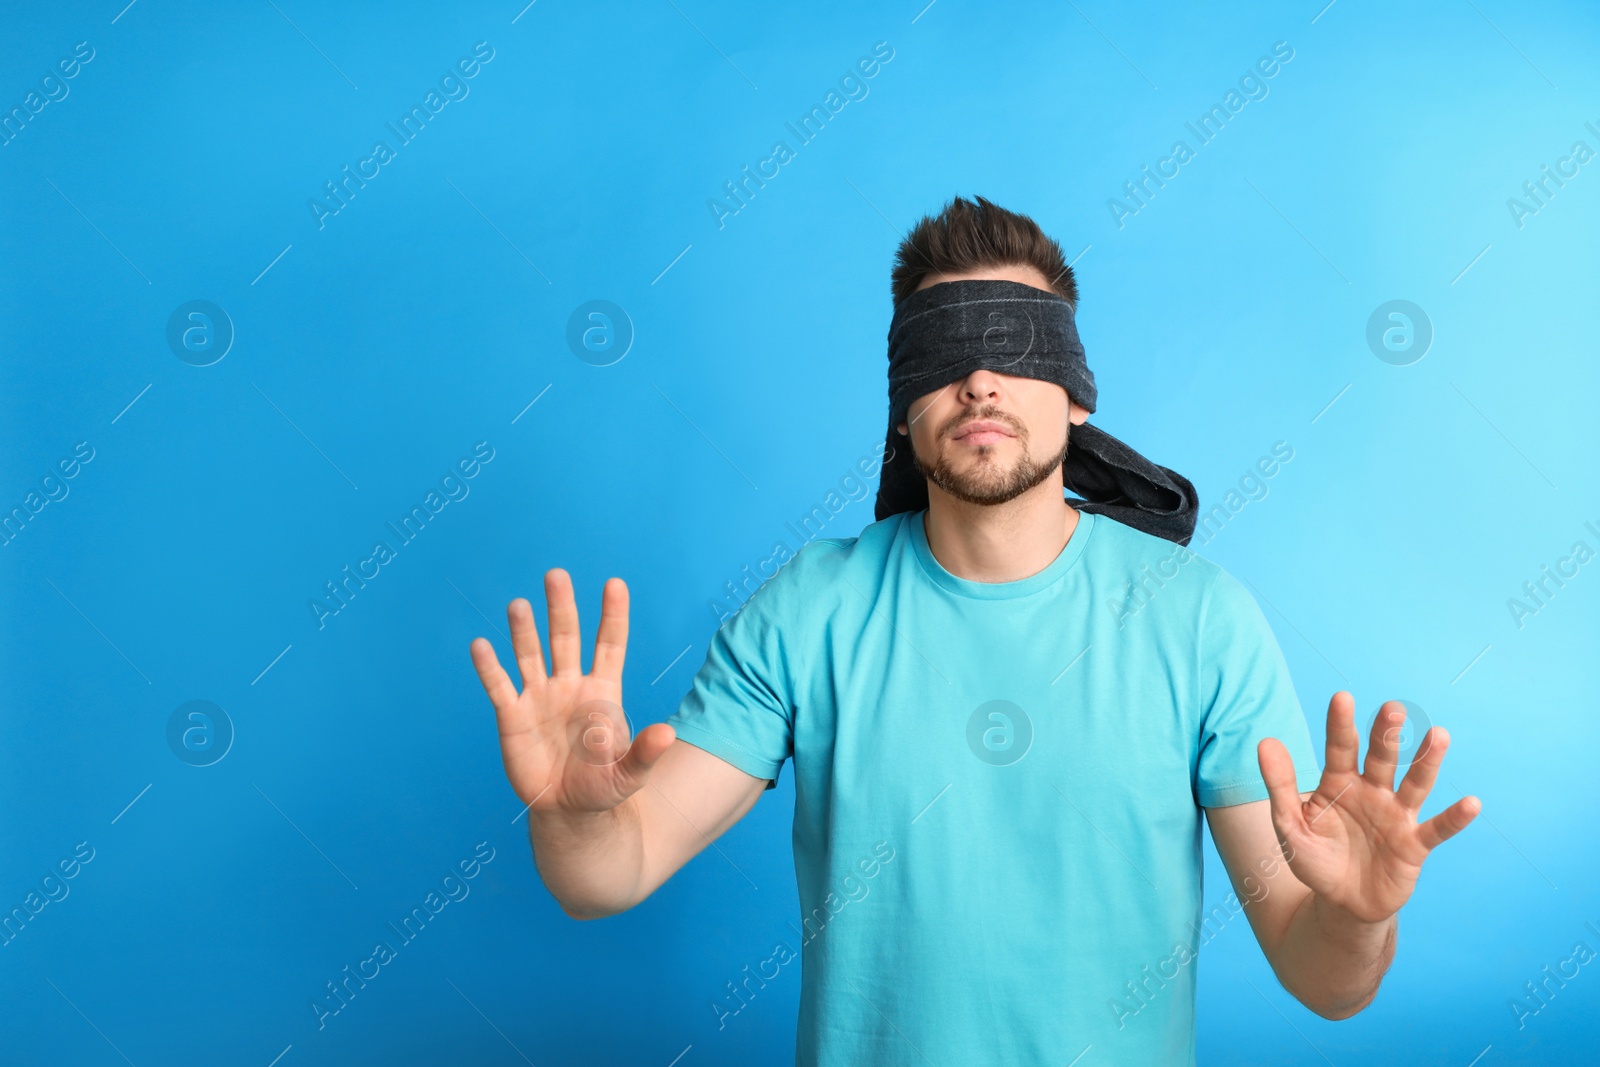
{"points": [[564, 739], [1356, 841]]}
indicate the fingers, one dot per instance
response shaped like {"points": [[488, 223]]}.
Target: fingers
{"points": [[494, 678], [1449, 822], [611, 643], [1417, 783], [1277, 768], [565, 655], [525, 642], [1343, 741], [1383, 750], [647, 749]]}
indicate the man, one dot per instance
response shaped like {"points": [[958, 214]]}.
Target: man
{"points": [[1005, 712]]}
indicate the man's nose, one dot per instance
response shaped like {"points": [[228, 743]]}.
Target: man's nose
{"points": [[980, 385]]}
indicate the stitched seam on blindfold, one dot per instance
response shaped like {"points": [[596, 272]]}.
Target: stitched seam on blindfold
{"points": [[984, 300], [1026, 359]]}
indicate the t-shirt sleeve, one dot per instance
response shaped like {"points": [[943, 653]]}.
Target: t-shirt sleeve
{"points": [[740, 704], [1245, 694]]}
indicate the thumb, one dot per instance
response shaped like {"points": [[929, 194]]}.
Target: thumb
{"points": [[1277, 769], [649, 745]]}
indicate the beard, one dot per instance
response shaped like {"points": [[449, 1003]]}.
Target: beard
{"points": [[985, 480]]}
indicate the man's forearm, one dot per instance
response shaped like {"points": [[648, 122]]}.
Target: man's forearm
{"points": [[1331, 961], [591, 862]]}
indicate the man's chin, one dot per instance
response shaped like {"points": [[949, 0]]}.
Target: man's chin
{"points": [[984, 482], [981, 491]]}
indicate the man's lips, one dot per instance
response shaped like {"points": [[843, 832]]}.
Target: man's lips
{"points": [[982, 432]]}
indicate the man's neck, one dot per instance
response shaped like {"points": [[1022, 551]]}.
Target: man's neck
{"points": [[1000, 542]]}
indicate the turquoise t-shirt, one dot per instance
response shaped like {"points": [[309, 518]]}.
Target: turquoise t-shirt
{"points": [[998, 786]]}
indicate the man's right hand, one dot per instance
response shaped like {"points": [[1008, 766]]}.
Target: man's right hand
{"points": [[566, 749], [563, 739]]}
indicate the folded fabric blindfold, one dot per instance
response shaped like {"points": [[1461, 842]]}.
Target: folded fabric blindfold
{"points": [[943, 333]]}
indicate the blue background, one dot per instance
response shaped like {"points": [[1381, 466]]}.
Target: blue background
{"points": [[1229, 313]]}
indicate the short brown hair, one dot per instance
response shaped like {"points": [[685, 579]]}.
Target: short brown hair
{"points": [[967, 235]]}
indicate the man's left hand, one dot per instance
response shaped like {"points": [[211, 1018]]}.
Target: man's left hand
{"points": [[1356, 842]]}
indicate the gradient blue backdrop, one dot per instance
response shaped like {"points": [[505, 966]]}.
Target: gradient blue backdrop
{"points": [[1229, 313]]}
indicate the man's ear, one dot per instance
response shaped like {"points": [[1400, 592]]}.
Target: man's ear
{"points": [[902, 429], [1076, 415]]}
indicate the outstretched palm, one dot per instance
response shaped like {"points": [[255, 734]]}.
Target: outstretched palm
{"points": [[1356, 841], [564, 739]]}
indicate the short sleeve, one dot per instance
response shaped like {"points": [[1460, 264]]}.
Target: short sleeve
{"points": [[1245, 695], [740, 704]]}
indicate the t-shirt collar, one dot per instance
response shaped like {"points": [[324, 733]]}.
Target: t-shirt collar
{"points": [[997, 590]]}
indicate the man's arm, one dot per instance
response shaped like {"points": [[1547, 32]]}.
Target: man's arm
{"points": [[1327, 959], [610, 817], [1331, 869], [600, 863]]}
